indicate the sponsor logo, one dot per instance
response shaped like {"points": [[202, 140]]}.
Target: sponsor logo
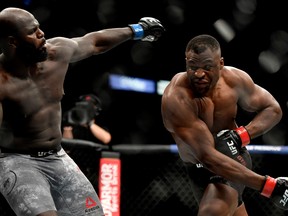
{"points": [[284, 199], [241, 160], [90, 202], [91, 209], [110, 186], [232, 147], [91, 205], [43, 154]]}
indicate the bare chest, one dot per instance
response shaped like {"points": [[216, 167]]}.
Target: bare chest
{"points": [[28, 96], [218, 112]]}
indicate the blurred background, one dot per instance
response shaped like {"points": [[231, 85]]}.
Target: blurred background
{"points": [[130, 79], [253, 35]]}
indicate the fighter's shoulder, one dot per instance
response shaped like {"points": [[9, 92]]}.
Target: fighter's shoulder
{"points": [[59, 41], [179, 78], [175, 82], [230, 70], [234, 75], [177, 86], [60, 45]]}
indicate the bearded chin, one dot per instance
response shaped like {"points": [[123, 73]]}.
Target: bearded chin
{"points": [[30, 54], [200, 91]]}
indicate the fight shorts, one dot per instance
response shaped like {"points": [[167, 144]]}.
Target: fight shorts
{"points": [[39, 182], [200, 177]]}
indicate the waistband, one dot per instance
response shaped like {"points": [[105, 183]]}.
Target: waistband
{"points": [[32, 152]]}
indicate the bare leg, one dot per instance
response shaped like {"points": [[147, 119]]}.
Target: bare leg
{"points": [[48, 213], [241, 211], [218, 200]]}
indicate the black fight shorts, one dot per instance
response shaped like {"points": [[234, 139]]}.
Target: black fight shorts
{"points": [[200, 177]]}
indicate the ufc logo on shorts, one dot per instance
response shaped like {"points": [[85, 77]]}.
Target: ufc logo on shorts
{"points": [[232, 148], [43, 154], [199, 165], [284, 199]]}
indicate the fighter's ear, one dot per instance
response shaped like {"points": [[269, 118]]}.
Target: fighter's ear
{"points": [[221, 63], [12, 41]]}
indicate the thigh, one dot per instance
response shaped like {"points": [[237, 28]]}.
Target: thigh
{"points": [[199, 178], [218, 199], [73, 192], [241, 210], [24, 187]]}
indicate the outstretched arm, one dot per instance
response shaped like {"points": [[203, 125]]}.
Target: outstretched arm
{"points": [[101, 41], [95, 43]]}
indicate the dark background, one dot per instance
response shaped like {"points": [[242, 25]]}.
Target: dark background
{"points": [[151, 186], [135, 118]]}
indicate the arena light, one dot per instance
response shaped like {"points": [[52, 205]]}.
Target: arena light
{"points": [[224, 29], [161, 85], [126, 83]]}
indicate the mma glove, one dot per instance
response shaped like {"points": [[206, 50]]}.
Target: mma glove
{"points": [[277, 191], [147, 29], [230, 142]]}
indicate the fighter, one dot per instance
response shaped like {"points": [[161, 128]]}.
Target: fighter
{"points": [[199, 109], [37, 177]]}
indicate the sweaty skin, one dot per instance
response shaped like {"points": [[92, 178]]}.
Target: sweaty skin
{"points": [[37, 176], [193, 120], [31, 92], [202, 101]]}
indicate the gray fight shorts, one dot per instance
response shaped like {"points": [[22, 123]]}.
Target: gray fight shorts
{"points": [[32, 185]]}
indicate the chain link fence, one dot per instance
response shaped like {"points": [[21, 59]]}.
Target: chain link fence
{"points": [[156, 184]]}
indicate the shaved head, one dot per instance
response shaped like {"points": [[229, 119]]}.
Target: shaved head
{"points": [[12, 19], [19, 35]]}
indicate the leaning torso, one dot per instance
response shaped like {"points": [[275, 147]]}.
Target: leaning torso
{"points": [[31, 107], [219, 111]]}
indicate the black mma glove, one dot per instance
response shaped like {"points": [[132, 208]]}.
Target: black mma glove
{"points": [[277, 191], [147, 29], [229, 142]]}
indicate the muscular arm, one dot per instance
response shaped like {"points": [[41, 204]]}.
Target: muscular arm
{"points": [[93, 43], [181, 120], [254, 98], [99, 42]]}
